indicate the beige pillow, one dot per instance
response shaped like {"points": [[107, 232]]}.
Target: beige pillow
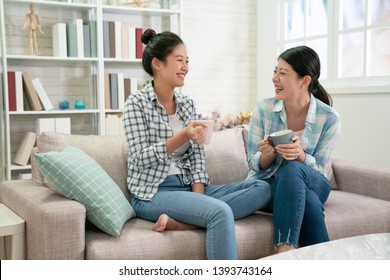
{"points": [[226, 157]]}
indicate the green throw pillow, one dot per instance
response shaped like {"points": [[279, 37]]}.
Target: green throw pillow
{"points": [[75, 175]]}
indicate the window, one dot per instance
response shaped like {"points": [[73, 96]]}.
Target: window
{"points": [[352, 38]]}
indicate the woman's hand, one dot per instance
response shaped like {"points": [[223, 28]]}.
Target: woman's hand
{"points": [[268, 152], [292, 151], [265, 147], [195, 131]]}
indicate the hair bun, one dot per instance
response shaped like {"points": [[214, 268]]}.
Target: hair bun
{"points": [[148, 35]]}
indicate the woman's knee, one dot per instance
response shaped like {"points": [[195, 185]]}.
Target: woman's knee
{"points": [[290, 168]]}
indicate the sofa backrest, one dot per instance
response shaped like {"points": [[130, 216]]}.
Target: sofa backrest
{"points": [[226, 156]]}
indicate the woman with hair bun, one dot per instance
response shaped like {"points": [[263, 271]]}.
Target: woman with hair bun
{"points": [[297, 172], [167, 175]]}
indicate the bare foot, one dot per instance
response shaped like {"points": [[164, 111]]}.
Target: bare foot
{"points": [[284, 248], [164, 222]]}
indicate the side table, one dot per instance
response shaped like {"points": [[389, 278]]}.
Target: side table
{"points": [[11, 226]]}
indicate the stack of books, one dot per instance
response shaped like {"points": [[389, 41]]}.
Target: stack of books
{"points": [[21, 85]]}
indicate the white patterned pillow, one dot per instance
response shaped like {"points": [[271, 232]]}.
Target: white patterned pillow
{"points": [[73, 174]]}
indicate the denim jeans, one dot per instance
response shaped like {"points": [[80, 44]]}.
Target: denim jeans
{"points": [[298, 195], [215, 211]]}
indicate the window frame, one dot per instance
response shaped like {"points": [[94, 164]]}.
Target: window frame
{"points": [[333, 84]]}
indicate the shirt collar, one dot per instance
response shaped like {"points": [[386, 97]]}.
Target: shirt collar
{"points": [[311, 114], [151, 94]]}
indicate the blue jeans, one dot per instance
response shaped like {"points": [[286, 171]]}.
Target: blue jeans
{"points": [[215, 211], [298, 196]]}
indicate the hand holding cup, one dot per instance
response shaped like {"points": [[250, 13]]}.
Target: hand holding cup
{"points": [[202, 131]]}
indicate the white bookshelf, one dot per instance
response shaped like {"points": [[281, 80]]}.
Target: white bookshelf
{"points": [[68, 78]]}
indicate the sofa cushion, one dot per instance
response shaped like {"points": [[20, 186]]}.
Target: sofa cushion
{"points": [[110, 152], [348, 214], [73, 174], [226, 156]]}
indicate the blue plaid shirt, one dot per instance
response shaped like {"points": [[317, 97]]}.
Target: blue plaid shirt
{"points": [[322, 129], [146, 127]]}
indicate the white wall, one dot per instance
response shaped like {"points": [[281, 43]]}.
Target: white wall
{"points": [[220, 36], [365, 131]]}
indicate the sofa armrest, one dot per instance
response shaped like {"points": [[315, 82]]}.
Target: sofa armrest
{"points": [[360, 178], [55, 226]]}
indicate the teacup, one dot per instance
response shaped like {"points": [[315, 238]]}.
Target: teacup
{"points": [[209, 131], [281, 137]]}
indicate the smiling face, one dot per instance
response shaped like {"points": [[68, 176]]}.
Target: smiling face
{"points": [[288, 85], [174, 69]]}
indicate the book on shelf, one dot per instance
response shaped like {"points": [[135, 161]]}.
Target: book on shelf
{"points": [[132, 42], [106, 39], [30, 93], [11, 91], [127, 88], [121, 90], [138, 44], [113, 124], [107, 91], [133, 84], [60, 125], [114, 90], [80, 37], [60, 48], [92, 37], [45, 101], [24, 176], [71, 39], [111, 33], [23, 152], [130, 85], [19, 91], [125, 42], [118, 39], [87, 42]]}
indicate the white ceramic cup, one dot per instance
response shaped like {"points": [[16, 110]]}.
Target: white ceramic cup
{"points": [[281, 137], [209, 131]]}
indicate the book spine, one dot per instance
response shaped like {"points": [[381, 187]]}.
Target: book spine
{"points": [[80, 37], [23, 153], [121, 91], [114, 124], [30, 93], [106, 39], [62, 125], [138, 44], [93, 38], [19, 91], [59, 40], [71, 39], [111, 32], [125, 42], [114, 90], [118, 39], [133, 84], [107, 91], [132, 40], [127, 88], [11, 91], [45, 101], [86, 38]]}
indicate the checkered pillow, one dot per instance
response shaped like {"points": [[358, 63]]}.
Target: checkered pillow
{"points": [[73, 174]]}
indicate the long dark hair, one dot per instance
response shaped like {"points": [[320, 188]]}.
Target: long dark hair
{"points": [[157, 46], [305, 61]]}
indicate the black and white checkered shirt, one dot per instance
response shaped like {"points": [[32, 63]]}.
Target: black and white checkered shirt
{"points": [[146, 127]]}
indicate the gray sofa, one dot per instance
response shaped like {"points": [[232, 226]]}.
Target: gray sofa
{"points": [[56, 227]]}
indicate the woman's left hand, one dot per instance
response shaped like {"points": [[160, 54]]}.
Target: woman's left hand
{"points": [[291, 151]]}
